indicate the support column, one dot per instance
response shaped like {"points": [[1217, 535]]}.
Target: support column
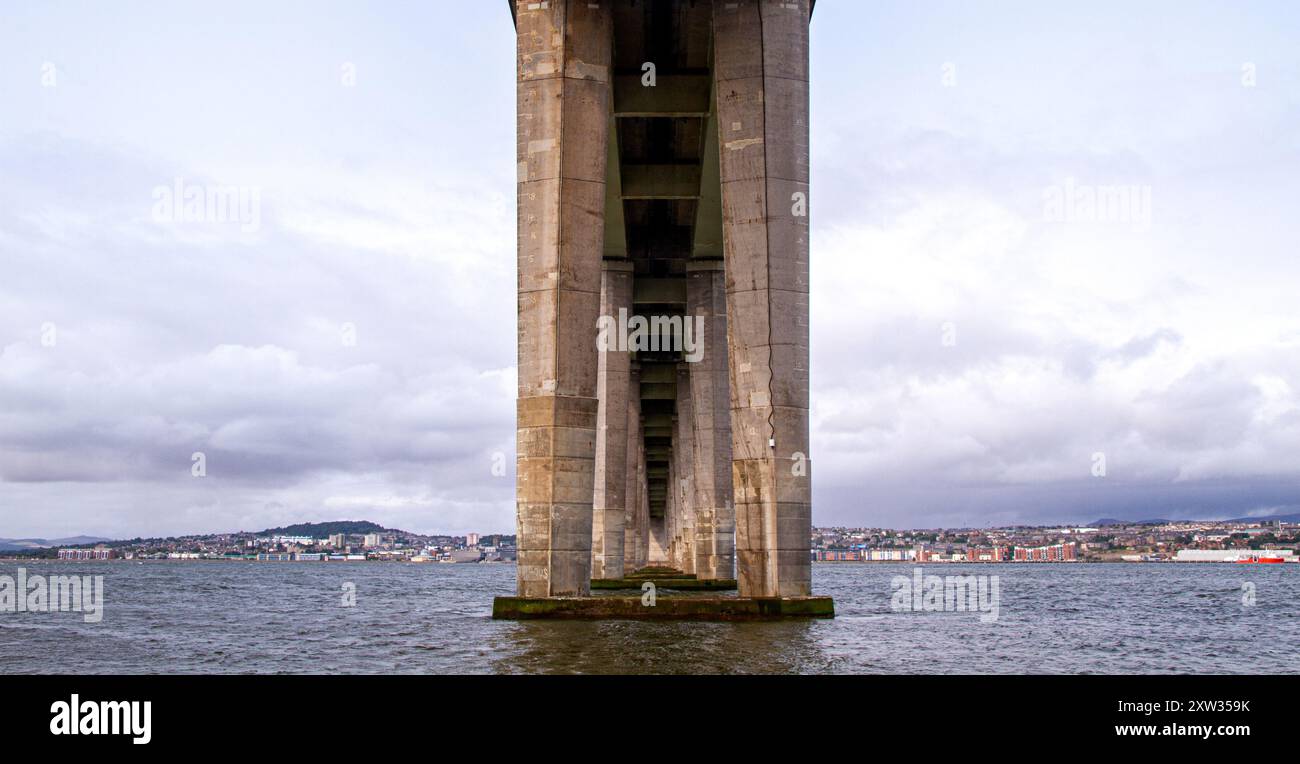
{"points": [[610, 505], [715, 517], [683, 487], [761, 73], [563, 49], [634, 531], [671, 532], [657, 552], [643, 503]]}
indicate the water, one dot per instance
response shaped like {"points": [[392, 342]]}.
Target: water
{"points": [[236, 617]]}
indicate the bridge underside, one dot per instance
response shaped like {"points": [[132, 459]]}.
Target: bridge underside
{"points": [[663, 294]]}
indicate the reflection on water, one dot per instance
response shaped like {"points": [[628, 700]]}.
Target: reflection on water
{"points": [[219, 617]]}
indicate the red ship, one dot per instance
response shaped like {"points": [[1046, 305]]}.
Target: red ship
{"points": [[1266, 560]]}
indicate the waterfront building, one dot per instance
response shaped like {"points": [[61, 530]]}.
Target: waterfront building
{"points": [[86, 554]]}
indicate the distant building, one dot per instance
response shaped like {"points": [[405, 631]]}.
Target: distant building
{"points": [[890, 555], [1051, 553], [1229, 555], [372, 540], [986, 554], [471, 539], [338, 540], [836, 555], [86, 554]]}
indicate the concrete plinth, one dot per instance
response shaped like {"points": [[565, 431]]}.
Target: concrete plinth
{"points": [[685, 584], [664, 609]]}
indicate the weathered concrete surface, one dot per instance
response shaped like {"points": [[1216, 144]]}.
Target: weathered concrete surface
{"points": [[658, 552], [682, 584], [563, 110], [682, 514], [613, 390], [665, 608], [761, 70], [612, 170], [655, 571], [715, 517], [636, 533]]}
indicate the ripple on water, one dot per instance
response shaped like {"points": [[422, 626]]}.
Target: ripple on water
{"points": [[193, 617]]}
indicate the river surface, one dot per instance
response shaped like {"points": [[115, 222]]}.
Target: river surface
{"points": [[241, 617]]}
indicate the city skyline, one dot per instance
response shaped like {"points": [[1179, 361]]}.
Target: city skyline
{"points": [[349, 347]]}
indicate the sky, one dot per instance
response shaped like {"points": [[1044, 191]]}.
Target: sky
{"points": [[990, 345]]}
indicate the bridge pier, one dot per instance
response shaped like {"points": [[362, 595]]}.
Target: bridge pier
{"points": [[613, 389], [563, 104], [665, 176], [761, 77], [715, 518]]}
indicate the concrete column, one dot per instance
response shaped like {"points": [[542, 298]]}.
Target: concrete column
{"points": [[683, 487], [657, 554], [761, 74], [671, 532], [643, 504], [613, 379], [715, 517], [634, 532], [563, 80]]}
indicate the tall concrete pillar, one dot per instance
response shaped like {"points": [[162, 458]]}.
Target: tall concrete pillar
{"points": [[672, 533], [643, 503], [635, 530], [563, 80], [683, 487], [761, 79], [715, 518], [613, 389], [657, 552]]}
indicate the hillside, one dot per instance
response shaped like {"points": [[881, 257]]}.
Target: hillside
{"points": [[327, 529]]}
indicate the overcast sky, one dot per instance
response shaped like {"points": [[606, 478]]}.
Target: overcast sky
{"points": [[982, 336]]}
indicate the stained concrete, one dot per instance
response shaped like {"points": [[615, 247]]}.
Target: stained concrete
{"points": [[676, 200], [664, 609], [680, 584], [613, 389], [715, 517], [761, 71], [563, 104]]}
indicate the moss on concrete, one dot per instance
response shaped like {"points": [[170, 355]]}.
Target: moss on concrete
{"points": [[683, 584], [665, 608]]}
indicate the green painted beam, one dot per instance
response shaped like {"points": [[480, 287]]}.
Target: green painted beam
{"points": [[661, 181], [673, 95]]}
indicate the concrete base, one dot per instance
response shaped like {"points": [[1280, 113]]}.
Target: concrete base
{"points": [[688, 584], [664, 609]]}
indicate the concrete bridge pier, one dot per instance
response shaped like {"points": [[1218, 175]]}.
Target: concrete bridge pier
{"points": [[663, 175], [563, 110], [636, 530], [761, 81], [715, 518], [613, 390]]}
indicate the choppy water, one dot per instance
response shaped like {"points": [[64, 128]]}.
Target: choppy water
{"points": [[217, 617]]}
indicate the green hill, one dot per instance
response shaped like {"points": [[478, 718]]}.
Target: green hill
{"points": [[325, 530]]}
